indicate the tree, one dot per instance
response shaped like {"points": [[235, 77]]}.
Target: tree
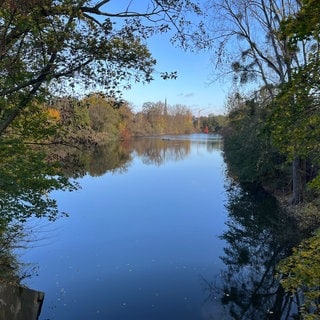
{"points": [[103, 116], [257, 51], [126, 121], [248, 151], [84, 44], [296, 107], [305, 23], [299, 274], [209, 122], [155, 115], [294, 124], [181, 119], [248, 40]]}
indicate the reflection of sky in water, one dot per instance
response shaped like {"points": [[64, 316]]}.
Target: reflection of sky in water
{"points": [[209, 139], [194, 137], [136, 244]]}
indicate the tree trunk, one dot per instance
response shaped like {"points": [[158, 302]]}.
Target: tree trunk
{"points": [[297, 190]]}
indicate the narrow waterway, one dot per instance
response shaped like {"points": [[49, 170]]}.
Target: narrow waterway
{"points": [[160, 235]]}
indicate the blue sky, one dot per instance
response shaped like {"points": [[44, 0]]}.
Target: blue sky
{"points": [[194, 86]]}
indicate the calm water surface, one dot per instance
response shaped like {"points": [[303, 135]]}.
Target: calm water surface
{"points": [[159, 232], [140, 242]]}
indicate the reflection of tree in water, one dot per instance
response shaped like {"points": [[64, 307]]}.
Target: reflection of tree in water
{"points": [[26, 180], [28, 176], [214, 144], [113, 156], [158, 151], [259, 235], [16, 300], [211, 143], [13, 236]]}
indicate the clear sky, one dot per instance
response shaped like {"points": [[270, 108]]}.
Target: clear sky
{"points": [[194, 86]]}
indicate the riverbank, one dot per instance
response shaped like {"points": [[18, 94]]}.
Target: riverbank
{"points": [[306, 214]]}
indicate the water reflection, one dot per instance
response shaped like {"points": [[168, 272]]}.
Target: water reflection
{"points": [[173, 148], [134, 241], [117, 156], [163, 236], [26, 181], [114, 157], [259, 235], [16, 301], [157, 151]]}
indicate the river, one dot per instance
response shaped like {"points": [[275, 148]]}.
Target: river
{"points": [[160, 233]]}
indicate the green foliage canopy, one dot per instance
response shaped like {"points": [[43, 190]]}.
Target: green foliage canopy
{"points": [[300, 274], [46, 44], [304, 24], [248, 151], [295, 117]]}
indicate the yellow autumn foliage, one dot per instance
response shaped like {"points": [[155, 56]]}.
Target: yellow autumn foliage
{"points": [[53, 114]]}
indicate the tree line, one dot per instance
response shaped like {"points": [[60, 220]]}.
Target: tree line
{"points": [[97, 119], [272, 138], [52, 49], [274, 123], [270, 47], [78, 46]]}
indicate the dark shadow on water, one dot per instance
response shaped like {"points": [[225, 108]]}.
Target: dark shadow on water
{"points": [[259, 234]]}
